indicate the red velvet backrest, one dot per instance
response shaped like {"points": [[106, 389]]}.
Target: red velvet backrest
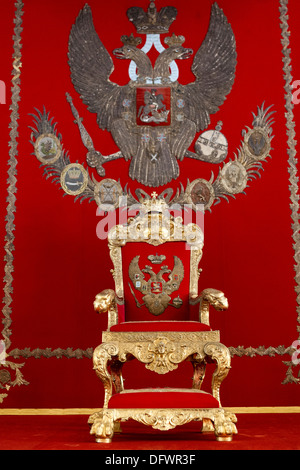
{"points": [[133, 285]]}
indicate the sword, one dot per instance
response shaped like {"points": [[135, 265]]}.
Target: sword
{"points": [[94, 158], [134, 296]]}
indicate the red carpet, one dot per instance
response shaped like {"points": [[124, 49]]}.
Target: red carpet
{"points": [[256, 432]]}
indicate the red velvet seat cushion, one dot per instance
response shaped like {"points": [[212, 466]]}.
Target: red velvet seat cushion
{"points": [[160, 326], [163, 398]]}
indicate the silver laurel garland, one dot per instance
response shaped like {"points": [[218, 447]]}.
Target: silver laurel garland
{"points": [[6, 380], [292, 163]]}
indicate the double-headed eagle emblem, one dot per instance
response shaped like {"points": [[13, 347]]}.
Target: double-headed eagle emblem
{"points": [[153, 119], [156, 289]]}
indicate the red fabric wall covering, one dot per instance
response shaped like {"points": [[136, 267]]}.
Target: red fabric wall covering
{"points": [[60, 264]]}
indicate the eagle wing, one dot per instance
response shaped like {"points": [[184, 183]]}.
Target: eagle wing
{"points": [[136, 275], [214, 67], [91, 66], [176, 276]]}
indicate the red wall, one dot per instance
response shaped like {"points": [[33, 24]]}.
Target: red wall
{"points": [[60, 264]]}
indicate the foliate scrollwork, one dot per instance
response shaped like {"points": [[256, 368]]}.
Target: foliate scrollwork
{"points": [[161, 355], [116, 257], [221, 422], [149, 336], [196, 255], [154, 224], [164, 420], [7, 368]]}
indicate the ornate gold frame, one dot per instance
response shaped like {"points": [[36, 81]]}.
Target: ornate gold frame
{"points": [[154, 225], [161, 352]]}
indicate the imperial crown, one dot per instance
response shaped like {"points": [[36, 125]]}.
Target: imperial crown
{"points": [[156, 259], [152, 21], [74, 173]]}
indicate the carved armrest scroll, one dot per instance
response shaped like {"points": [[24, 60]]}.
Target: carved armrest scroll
{"points": [[106, 302], [209, 297]]}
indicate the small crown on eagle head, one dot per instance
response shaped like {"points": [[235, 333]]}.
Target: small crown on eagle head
{"points": [[152, 21], [130, 40], [174, 40]]}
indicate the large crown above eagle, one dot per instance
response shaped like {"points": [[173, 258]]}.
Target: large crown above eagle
{"points": [[152, 21], [153, 119]]}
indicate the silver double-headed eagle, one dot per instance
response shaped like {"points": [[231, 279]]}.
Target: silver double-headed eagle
{"points": [[153, 119]]}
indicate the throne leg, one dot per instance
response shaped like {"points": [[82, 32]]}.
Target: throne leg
{"points": [[102, 423], [117, 427], [207, 425], [117, 378], [224, 426], [103, 355], [199, 374], [219, 353]]}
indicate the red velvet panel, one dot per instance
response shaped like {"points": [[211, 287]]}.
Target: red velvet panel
{"points": [[169, 249], [161, 326], [163, 398]]}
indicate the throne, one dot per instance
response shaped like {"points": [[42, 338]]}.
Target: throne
{"points": [[157, 317]]}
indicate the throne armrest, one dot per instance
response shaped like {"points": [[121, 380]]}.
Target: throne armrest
{"points": [[209, 297], [106, 302]]}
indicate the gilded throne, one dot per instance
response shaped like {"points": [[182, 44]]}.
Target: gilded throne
{"points": [[157, 317]]}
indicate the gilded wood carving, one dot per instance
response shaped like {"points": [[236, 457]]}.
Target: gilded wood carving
{"points": [[221, 422]]}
